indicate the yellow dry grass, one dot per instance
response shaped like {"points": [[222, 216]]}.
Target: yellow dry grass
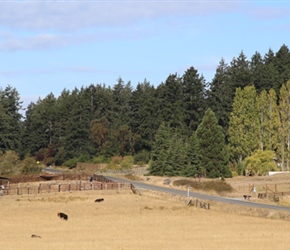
{"points": [[130, 222]]}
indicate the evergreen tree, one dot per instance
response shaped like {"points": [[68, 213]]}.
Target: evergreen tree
{"points": [[193, 165], [220, 95], [10, 122], [170, 99], [270, 75], [212, 147], [121, 96], [78, 137], [39, 126], [144, 120], [159, 154], [194, 96], [240, 73], [282, 65], [259, 75], [176, 156]]}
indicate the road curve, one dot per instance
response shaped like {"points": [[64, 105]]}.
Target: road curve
{"points": [[200, 196]]}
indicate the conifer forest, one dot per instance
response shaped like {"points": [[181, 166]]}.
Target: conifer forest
{"points": [[239, 122]]}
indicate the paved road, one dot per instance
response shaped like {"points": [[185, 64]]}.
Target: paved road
{"points": [[52, 171], [200, 196]]}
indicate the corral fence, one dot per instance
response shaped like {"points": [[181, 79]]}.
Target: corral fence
{"points": [[272, 193], [96, 182]]}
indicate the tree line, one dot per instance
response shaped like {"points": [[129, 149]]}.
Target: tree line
{"points": [[183, 126]]}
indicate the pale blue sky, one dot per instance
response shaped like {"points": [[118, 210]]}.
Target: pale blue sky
{"points": [[48, 46]]}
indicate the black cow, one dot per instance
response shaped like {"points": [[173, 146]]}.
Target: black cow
{"points": [[99, 200], [62, 216], [35, 236]]}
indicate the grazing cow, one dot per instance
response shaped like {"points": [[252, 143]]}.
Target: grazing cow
{"points": [[247, 196], [35, 236], [62, 216], [99, 200]]}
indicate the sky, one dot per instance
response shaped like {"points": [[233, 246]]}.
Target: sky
{"points": [[48, 46]]}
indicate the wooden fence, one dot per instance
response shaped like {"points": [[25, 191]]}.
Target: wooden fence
{"points": [[98, 182]]}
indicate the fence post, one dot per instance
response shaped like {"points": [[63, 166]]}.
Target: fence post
{"points": [[59, 187], [27, 189], [39, 186], [69, 187], [18, 189]]}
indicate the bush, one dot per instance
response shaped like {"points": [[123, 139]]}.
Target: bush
{"points": [[60, 156], [100, 159], [127, 162], [217, 186], [29, 166], [261, 162], [84, 158], [9, 162], [71, 163], [142, 158], [116, 159], [113, 166]]}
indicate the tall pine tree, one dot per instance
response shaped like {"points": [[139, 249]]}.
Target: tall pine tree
{"points": [[212, 147]]}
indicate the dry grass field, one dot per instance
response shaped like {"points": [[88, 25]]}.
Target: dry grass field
{"points": [[131, 222]]}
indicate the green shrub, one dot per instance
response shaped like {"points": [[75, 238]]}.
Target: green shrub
{"points": [[9, 162], [84, 158], [71, 163], [127, 162], [100, 159], [29, 166], [142, 158], [261, 162], [113, 166]]}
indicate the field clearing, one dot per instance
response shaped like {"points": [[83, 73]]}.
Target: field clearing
{"points": [[130, 222]]}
